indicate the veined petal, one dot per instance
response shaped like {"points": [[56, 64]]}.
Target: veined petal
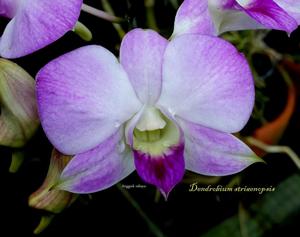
{"points": [[292, 7], [214, 153], [141, 55], [158, 156], [8, 8], [99, 168], [83, 98], [193, 17], [269, 14], [228, 16], [37, 24], [199, 85]]}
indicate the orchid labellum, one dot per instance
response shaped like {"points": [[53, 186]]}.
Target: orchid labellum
{"points": [[163, 108]]}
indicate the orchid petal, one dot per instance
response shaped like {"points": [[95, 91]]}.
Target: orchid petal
{"points": [[141, 55], [292, 7], [229, 16], [269, 14], [99, 168], [214, 153], [8, 8], [164, 171], [83, 97], [37, 24], [199, 85], [193, 17]]}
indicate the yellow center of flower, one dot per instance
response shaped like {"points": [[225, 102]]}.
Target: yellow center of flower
{"points": [[154, 133]]}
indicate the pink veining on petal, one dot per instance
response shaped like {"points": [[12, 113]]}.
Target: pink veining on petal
{"points": [[141, 55], [202, 87], [292, 7], [36, 24], [269, 14], [98, 168], [83, 97], [193, 17], [211, 152], [8, 8]]}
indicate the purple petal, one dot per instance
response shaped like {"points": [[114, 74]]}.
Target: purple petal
{"points": [[164, 171], [193, 17], [210, 152], [37, 24], [292, 7], [269, 14], [141, 56], [83, 97], [199, 85], [8, 8], [229, 16], [99, 168]]}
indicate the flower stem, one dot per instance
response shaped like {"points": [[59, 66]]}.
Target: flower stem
{"points": [[17, 159], [153, 227], [285, 75], [107, 7], [150, 14], [243, 218], [101, 14], [275, 149], [44, 223], [157, 196], [174, 3]]}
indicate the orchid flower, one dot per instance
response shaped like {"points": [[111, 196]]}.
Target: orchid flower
{"points": [[35, 24], [215, 17], [164, 107]]}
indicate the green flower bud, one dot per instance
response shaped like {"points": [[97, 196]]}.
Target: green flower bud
{"points": [[18, 118], [48, 198]]}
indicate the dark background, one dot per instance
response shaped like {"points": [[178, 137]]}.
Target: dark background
{"points": [[109, 213]]}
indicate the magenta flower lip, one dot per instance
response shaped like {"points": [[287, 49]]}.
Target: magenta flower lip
{"points": [[163, 108], [35, 24]]}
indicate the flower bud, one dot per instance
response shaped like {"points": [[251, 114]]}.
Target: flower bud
{"points": [[18, 117], [48, 198]]}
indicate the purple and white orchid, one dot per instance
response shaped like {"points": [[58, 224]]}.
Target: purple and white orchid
{"points": [[164, 107], [215, 17], [35, 24]]}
